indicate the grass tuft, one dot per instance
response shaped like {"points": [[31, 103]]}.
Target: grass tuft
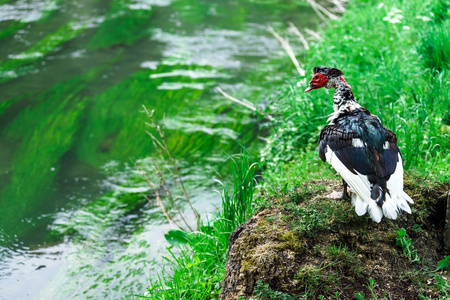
{"points": [[434, 47], [195, 269]]}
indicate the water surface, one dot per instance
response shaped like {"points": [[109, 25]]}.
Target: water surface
{"points": [[75, 221]]}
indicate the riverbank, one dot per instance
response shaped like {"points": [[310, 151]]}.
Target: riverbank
{"points": [[75, 212], [395, 56]]}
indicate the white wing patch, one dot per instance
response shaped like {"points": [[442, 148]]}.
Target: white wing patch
{"points": [[358, 143], [396, 199], [360, 185]]}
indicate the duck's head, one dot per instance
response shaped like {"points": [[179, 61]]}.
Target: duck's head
{"points": [[324, 77]]}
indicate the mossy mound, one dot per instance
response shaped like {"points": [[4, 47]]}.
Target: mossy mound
{"points": [[303, 245]]}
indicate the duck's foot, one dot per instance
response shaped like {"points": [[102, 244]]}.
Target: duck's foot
{"points": [[345, 195], [334, 195]]}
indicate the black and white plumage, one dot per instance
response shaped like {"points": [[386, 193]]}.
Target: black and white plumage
{"points": [[361, 150]]}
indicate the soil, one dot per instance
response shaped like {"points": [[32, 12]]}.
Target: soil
{"points": [[307, 246]]}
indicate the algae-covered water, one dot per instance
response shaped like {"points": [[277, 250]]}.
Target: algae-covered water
{"points": [[75, 221]]}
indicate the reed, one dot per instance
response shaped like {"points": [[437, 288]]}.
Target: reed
{"points": [[196, 267]]}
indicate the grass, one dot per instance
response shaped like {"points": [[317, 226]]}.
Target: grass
{"points": [[395, 56], [238, 207], [434, 47], [196, 266], [399, 72]]}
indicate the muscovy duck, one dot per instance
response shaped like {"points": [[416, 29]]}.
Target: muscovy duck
{"points": [[361, 150]]}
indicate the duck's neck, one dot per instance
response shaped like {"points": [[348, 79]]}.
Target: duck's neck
{"points": [[343, 99], [343, 95]]}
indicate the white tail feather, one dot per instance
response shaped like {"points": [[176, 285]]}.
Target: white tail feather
{"points": [[375, 211], [390, 208], [406, 197], [359, 204]]}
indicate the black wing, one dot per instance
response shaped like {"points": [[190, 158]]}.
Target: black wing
{"points": [[361, 146]]}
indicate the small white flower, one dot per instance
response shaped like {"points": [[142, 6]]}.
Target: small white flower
{"points": [[394, 16], [405, 27], [380, 5], [423, 18]]}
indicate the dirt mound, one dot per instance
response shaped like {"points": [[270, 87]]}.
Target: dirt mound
{"points": [[303, 245]]}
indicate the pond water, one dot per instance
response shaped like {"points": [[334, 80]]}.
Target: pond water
{"points": [[74, 222]]}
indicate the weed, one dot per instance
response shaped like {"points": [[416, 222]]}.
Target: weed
{"points": [[122, 25], [442, 285], [197, 268], [346, 259], [371, 287], [169, 163], [337, 295], [403, 241], [312, 277], [443, 264], [264, 292], [16, 66], [417, 228], [360, 296]]}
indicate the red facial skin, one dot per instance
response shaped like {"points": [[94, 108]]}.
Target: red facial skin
{"points": [[319, 80]]}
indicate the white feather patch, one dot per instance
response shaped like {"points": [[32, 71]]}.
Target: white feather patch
{"points": [[358, 143], [360, 206], [360, 185], [386, 145], [390, 208], [398, 198], [375, 211]]}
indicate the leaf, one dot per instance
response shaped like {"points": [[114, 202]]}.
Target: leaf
{"points": [[177, 237], [445, 263], [401, 233]]}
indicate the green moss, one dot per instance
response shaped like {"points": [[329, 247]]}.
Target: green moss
{"points": [[291, 241], [312, 277]]}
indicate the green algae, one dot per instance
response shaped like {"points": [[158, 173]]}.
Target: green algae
{"points": [[15, 25], [125, 23], [43, 139], [116, 114], [19, 64], [12, 28]]}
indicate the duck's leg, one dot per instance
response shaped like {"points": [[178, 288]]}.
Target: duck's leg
{"points": [[345, 195]]}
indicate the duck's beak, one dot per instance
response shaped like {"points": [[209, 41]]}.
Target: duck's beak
{"points": [[311, 87]]}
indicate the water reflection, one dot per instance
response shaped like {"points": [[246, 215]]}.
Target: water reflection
{"points": [[74, 78]]}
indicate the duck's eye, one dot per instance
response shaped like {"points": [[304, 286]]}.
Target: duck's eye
{"points": [[316, 77]]}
